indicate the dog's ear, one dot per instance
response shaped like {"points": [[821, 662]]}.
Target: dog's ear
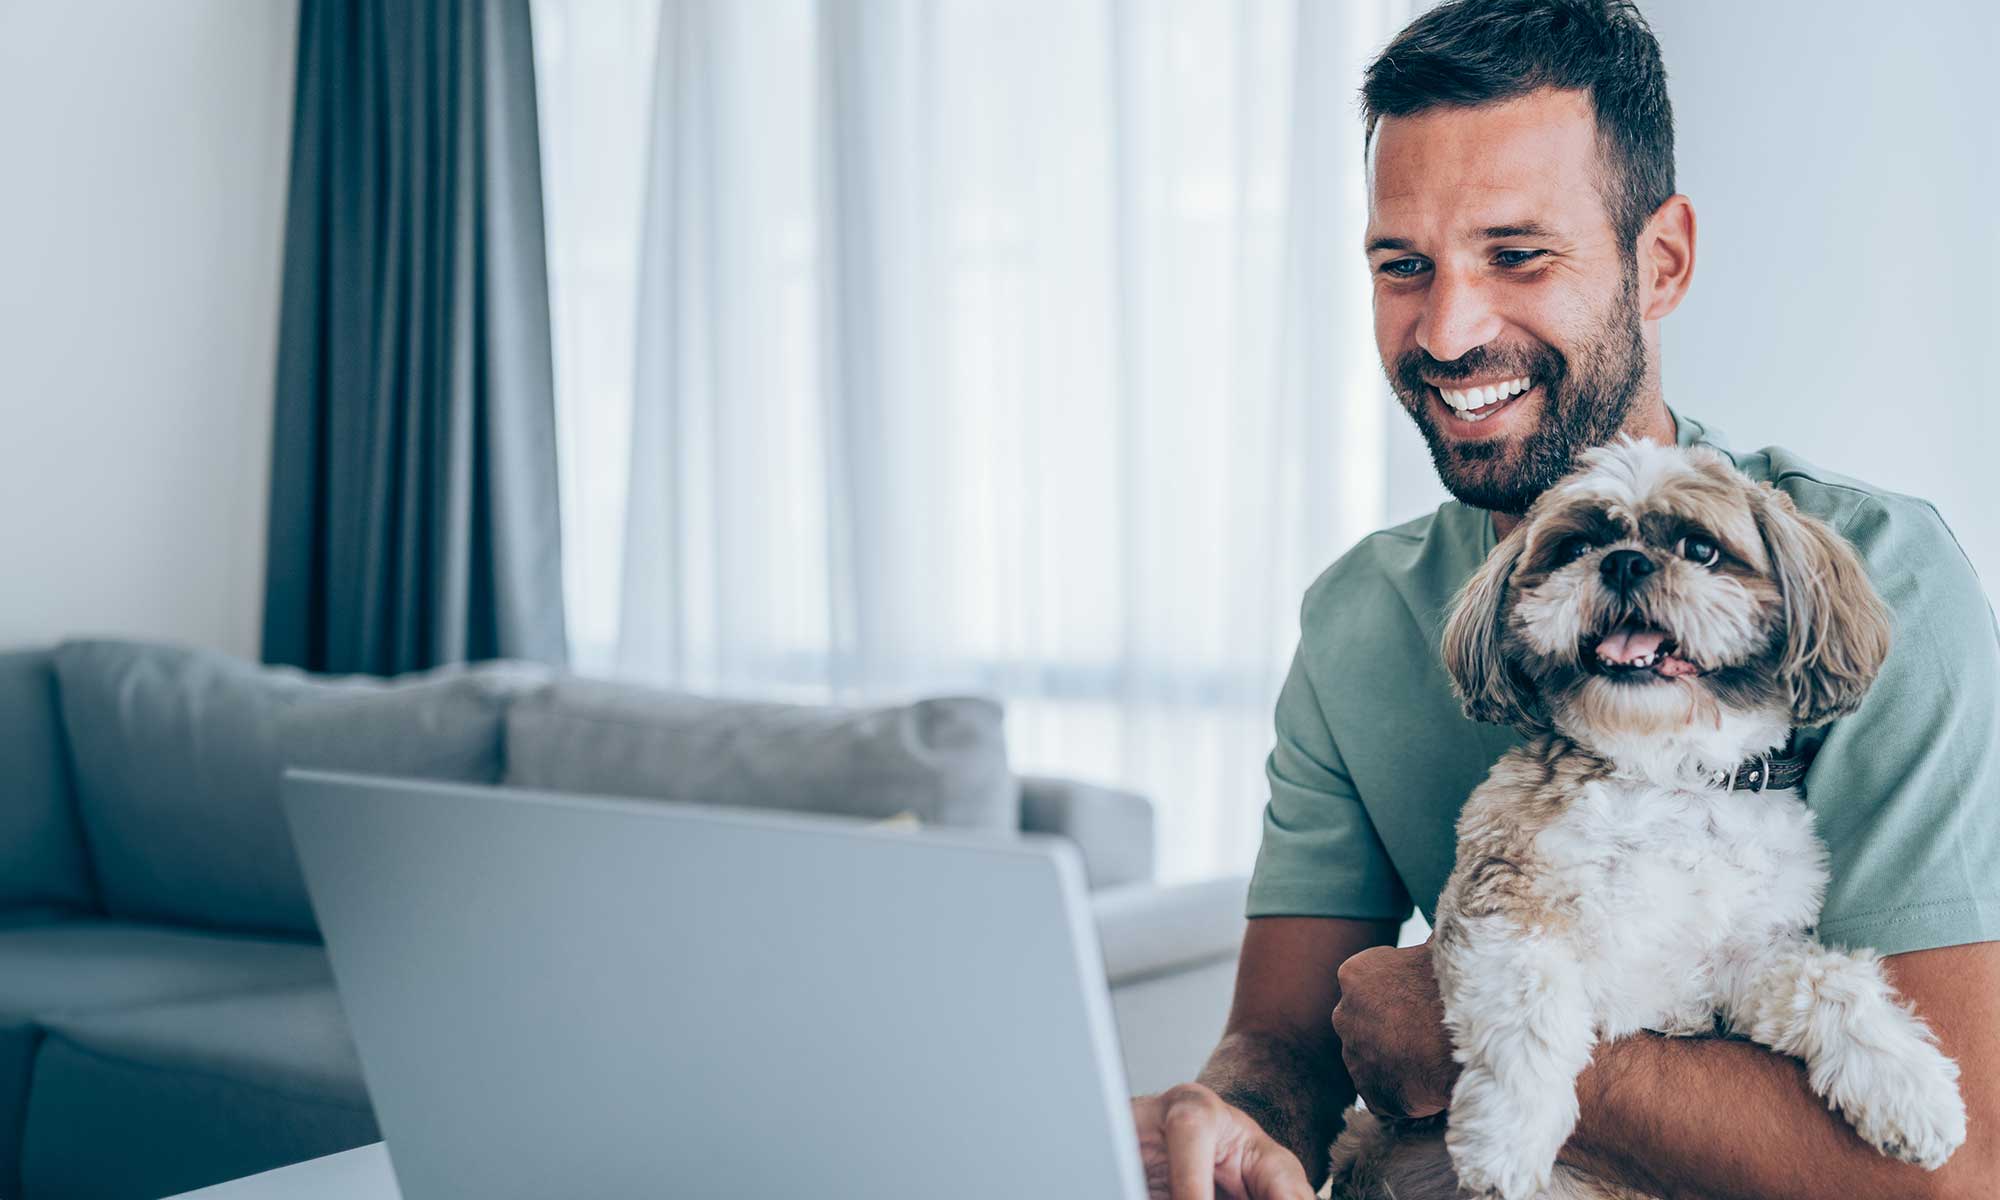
{"points": [[1836, 628], [1491, 688]]}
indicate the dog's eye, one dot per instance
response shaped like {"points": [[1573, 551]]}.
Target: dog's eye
{"points": [[1571, 548], [1700, 550]]}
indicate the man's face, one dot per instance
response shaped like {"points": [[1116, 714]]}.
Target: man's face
{"points": [[1494, 261]]}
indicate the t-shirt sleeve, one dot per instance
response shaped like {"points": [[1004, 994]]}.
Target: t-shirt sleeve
{"points": [[1320, 856], [1906, 789]]}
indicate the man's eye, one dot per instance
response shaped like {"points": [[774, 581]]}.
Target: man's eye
{"points": [[1516, 258], [1700, 550], [1403, 268]]}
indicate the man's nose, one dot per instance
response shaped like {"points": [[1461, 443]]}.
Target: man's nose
{"points": [[1456, 317], [1623, 569]]}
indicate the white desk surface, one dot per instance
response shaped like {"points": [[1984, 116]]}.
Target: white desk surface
{"points": [[359, 1174]]}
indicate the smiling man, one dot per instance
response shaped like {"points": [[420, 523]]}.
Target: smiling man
{"points": [[1525, 243]]}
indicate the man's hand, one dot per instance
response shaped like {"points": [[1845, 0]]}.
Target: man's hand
{"points": [[1392, 1035], [1195, 1146]]}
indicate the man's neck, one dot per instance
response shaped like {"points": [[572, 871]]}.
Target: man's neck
{"points": [[1657, 425]]}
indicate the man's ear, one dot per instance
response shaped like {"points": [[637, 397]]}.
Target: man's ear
{"points": [[1836, 628], [1666, 257], [1491, 688]]}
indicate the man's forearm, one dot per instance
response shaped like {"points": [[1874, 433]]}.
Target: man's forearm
{"points": [[1296, 1092], [1721, 1119]]}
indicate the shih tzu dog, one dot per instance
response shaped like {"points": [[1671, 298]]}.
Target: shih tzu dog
{"points": [[1656, 619]]}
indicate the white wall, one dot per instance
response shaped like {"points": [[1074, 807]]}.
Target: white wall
{"points": [[142, 188], [1842, 162]]}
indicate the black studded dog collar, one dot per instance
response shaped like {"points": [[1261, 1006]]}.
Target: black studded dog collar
{"points": [[1780, 772]]}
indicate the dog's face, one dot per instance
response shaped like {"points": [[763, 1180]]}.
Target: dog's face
{"points": [[1656, 587]]}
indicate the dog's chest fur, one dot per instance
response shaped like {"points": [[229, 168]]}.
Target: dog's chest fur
{"points": [[1668, 886]]}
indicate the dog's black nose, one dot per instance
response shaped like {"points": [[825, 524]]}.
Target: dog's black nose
{"points": [[1623, 569]]}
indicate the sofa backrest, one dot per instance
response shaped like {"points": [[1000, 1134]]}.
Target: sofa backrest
{"points": [[42, 863], [944, 760], [177, 754]]}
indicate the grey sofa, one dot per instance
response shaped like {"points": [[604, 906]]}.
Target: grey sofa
{"points": [[167, 1017]]}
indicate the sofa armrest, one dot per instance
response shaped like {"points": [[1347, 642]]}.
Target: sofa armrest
{"points": [[1113, 828], [42, 859], [1149, 930]]}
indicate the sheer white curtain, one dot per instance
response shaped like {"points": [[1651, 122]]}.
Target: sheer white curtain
{"points": [[1001, 346]]}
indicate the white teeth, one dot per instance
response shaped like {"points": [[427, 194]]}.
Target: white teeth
{"points": [[1470, 400], [1643, 661]]}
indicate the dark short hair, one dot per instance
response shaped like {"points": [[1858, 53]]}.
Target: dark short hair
{"points": [[1471, 52]]}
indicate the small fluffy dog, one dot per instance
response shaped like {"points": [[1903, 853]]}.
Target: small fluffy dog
{"points": [[1655, 620]]}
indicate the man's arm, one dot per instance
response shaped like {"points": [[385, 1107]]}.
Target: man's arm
{"points": [[1703, 1117], [1677, 1117], [1279, 1060]]}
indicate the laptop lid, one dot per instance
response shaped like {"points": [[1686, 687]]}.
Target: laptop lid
{"points": [[558, 995]]}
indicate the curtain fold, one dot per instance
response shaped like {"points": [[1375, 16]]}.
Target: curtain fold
{"points": [[413, 506], [1009, 346]]}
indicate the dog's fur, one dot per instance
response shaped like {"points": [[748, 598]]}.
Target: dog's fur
{"points": [[1608, 880]]}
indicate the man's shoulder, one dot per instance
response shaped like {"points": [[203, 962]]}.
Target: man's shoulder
{"points": [[1381, 554], [1396, 579], [1891, 530], [1899, 787]]}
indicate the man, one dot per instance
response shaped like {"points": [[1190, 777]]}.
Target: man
{"points": [[1523, 224]]}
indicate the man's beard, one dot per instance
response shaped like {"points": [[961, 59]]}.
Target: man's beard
{"points": [[1585, 401]]}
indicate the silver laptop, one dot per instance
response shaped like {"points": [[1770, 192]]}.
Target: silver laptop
{"points": [[556, 995]]}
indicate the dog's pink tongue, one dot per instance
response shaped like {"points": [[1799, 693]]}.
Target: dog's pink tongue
{"points": [[1630, 645]]}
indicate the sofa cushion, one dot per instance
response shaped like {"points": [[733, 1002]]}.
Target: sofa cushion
{"points": [[41, 845], [100, 963], [78, 966], [38, 914], [192, 1093], [944, 760], [1112, 828], [177, 755]]}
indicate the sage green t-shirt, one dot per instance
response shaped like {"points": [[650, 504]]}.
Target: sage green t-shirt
{"points": [[1374, 758]]}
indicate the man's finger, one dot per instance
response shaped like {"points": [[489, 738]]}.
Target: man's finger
{"points": [[1271, 1172], [1192, 1131]]}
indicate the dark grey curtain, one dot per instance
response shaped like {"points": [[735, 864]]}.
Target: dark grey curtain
{"points": [[413, 514]]}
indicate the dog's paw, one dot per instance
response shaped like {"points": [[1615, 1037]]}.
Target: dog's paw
{"points": [[1500, 1181], [1906, 1104], [1493, 1160], [1694, 1018]]}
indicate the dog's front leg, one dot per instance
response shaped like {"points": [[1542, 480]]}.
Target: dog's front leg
{"points": [[1522, 1029], [1865, 1052]]}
